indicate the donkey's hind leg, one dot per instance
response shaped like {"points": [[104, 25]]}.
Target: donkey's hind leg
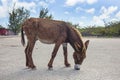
{"points": [[28, 52], [65, 55]]}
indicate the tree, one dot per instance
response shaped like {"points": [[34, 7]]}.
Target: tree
{"points": [[16, 18], [44, 14], [74, 25], [1, 26], [111, 29]]}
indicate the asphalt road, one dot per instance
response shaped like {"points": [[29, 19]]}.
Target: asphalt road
{"points": [[102, 61]]}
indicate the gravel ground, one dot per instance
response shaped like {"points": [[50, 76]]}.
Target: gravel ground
{"points": [[102, 61]]}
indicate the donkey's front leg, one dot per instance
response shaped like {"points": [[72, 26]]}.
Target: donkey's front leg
{"points": [[57, 45], [65, 55]]}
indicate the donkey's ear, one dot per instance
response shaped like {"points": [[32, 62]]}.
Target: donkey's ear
{"points": [[86, 43]]}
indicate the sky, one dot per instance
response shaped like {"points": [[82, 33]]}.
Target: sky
{"points": [[82, 12]]}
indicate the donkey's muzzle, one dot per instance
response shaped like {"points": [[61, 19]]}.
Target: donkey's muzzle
{"points": [[77, 67]]}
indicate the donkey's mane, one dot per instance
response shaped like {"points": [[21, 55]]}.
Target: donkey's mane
{"points": [[80, 38], [78, 33]]}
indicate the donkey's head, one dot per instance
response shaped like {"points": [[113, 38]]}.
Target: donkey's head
{"points": [[80, 54]]}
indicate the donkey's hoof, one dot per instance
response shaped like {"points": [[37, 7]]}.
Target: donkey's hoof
{"points": [[34, 68], [50, 68], [77, 67], [67, 65]]}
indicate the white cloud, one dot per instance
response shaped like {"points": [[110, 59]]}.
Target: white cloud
{"points": [[66, 12], [43, 4], [78, 9], [26, 5], [118, 15], [81, 23], [114, 20], [91, 1], [98, 21], [92, 10], [50, 1], [7, 6], [83, 17], [108, 11], [105, 15], [74, 2], [3, 11]]}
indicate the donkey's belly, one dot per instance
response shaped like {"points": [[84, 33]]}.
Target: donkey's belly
{"points": [[48, 35], [46, 41]]}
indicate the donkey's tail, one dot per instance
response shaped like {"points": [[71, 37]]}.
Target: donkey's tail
{"points": [[22, 37]]}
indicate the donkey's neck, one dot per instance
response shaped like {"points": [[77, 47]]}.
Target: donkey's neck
{"points": [[75, 39]]}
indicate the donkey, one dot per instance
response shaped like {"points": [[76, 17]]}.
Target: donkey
{"points": [[53, 32]]}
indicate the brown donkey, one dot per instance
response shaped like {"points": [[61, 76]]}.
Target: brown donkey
{"points": [[49, 32]]}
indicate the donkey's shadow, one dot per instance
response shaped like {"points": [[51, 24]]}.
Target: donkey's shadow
{"points": [[43, 74]]}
